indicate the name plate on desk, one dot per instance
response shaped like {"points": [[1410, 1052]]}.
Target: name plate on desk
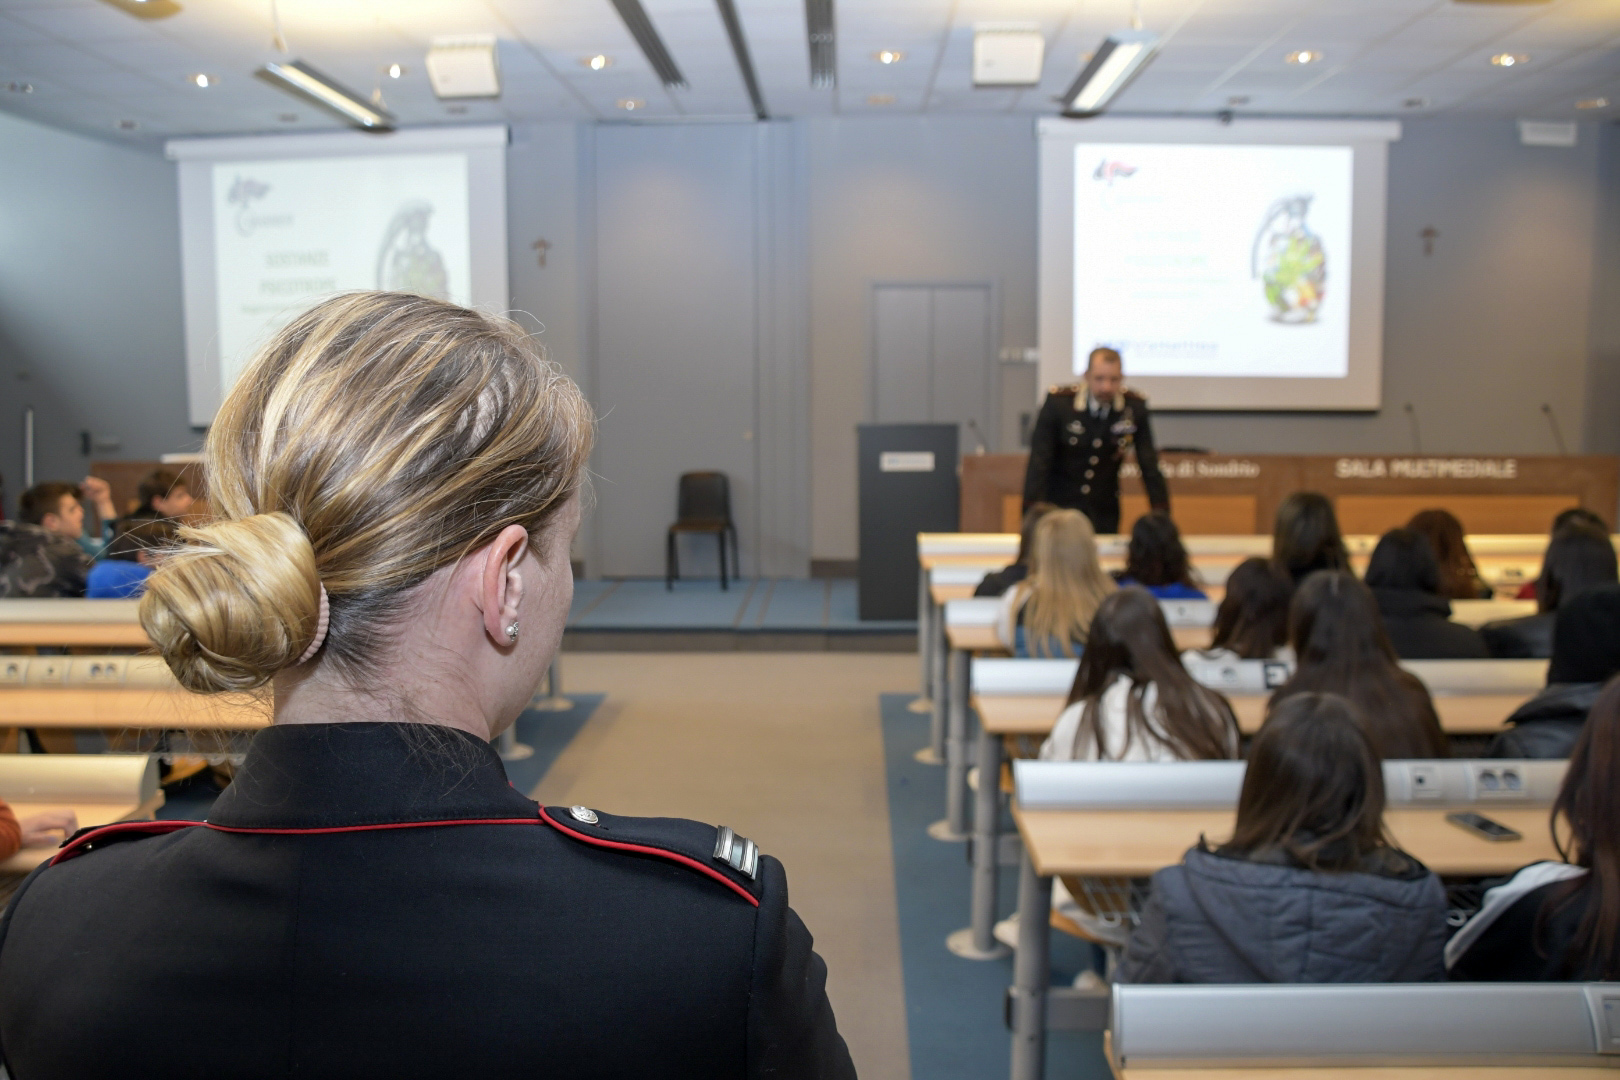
{"points": [[906, 461]]}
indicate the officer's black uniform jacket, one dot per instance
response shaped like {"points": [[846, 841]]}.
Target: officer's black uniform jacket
{"points": [[1074, 456], [462, 931]]}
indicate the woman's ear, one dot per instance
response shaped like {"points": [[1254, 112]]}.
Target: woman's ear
{"points": [[500, 592]]}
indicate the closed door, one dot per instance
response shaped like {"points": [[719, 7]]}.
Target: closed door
{"points": [[931, 358]]}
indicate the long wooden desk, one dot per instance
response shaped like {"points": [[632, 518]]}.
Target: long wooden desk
{"points": [[93, 623], [128, 707], [1126, 843]]}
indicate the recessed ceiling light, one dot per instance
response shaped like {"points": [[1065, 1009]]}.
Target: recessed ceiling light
{"points": [[631, 104], [127, 125], [20, 87], [1304, 56], [599, 62], [456, 110], [396, 71], [1507, 59], [287, 117], [1238, 99], [202, 81], [1414, 103], [1592, 103], [889, 56], [880, 99]]}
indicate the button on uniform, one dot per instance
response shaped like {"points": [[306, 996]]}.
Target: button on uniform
{"points": [[582, 813]]}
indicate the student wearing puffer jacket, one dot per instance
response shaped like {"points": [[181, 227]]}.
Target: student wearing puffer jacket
{"points": [[1309, 889]]}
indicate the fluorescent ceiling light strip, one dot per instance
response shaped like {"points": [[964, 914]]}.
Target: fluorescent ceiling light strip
{"points": [[303, 79], [1100, 87]]}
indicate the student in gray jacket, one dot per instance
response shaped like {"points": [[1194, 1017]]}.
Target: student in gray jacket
{"points": [[1309, 889]]}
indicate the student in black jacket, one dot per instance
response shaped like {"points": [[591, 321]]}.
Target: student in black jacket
{"points": [[997, 582], [1579, 556], [1405, 580], [1586, 654], [1560, 920], [397, 481]]}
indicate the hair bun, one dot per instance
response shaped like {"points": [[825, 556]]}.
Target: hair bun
{"points": [[235, 603]]}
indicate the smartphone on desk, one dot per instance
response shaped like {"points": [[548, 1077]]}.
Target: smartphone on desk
{"points": [[1484, 827]]}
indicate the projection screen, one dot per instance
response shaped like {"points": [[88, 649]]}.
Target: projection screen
{"points": [[271, 224], [1235, 267]]}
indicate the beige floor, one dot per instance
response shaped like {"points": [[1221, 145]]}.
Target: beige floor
{"points": [[787, 749]]}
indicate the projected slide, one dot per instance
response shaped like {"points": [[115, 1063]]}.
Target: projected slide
{"points": [[1214, 260], [291, 231]]}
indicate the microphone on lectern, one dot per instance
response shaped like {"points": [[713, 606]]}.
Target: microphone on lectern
{"points": [[973, 426], [1417, 432], [1552, 422]]}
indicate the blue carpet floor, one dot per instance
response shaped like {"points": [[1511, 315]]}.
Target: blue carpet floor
{"points": [[762, 605], [548, 732], [954, 1007]]}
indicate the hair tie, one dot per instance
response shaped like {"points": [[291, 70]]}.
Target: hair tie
{"points": [[320, 627]]}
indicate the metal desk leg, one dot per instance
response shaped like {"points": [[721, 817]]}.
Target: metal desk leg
{"points": [[940, 691], [926, 614], [956, 745], [554, 700], [977, 941], [509, 748], [1032, 972]]}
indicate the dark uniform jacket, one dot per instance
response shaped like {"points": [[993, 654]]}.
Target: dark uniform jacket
{"points": [[1075, 455], [376, 900]]}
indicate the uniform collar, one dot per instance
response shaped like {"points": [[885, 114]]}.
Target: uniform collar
{"points": [[1092, 403], [313, 776]]}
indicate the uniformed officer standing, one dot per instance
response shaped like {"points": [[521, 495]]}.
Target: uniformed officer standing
{"points": [[1081, 438]]}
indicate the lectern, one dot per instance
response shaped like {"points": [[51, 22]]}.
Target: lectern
{"points": [[908, 485]]}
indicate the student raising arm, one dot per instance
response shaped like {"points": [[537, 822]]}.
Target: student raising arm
{"points": [[1309, 888]]}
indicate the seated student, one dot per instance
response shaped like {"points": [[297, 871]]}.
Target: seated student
{"points": [[1251, 622], [1048, 613], [1132, 700], [997, 582], [1306, 537], [1586, 654], [1405, 579], [1309, 889], [40, 554], [1575, 515], [1157, 559], [1560, 920], [122, 570], [1459, 576], [163, 494], [1578, 557], [1342, 649]]}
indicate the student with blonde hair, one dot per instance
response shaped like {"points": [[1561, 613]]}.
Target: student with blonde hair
{"points": [[1049, 613], [397, 484]]}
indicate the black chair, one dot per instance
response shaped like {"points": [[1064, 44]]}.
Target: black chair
{"points": [[704, 507]]}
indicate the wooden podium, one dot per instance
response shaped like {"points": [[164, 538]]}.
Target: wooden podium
{"points": [[1215, 494]]}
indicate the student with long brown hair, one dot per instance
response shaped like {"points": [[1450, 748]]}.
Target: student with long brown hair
{"points": [[1309, 889], [1049, 613], [1560, 920], [1341, 648], [1459, 576], [1306, 536], [1132, 699], [1251, 622]]}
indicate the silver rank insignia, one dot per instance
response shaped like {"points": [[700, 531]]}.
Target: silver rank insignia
{"points": [[737, 852]]}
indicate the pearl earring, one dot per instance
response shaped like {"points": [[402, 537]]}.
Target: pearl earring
{"points": [[512, 632]]}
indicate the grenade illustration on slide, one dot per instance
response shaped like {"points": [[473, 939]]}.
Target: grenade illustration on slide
{"points": [[405, 261], [1289, 260]]}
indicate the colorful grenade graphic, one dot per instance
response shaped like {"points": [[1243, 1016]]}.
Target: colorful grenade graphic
{"points": [[1289, 259]]}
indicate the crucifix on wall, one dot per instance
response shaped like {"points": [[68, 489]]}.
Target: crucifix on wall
{"points": [[1429, 234], [542, 246]]}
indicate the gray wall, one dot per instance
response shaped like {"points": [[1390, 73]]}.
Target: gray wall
{"points": [[1519, 304], [90, 319]]}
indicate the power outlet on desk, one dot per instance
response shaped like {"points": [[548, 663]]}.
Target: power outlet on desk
{"points": [[100, 671], [12, 671], [47, 669], [1497, 783], [1425, 782]]}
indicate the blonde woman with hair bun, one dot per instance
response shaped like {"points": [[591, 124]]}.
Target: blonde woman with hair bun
{"points": [[396, 482], [1049, 612]]}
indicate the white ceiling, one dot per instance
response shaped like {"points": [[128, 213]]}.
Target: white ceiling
{"points": [[92, 65]]}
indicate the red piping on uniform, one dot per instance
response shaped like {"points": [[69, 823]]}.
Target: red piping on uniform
{"points": [[660, 852]]}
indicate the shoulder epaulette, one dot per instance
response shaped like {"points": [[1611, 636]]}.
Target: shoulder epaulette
{"points": [[1064, 391], [97, 836], [719, 854], [1133, 393]]}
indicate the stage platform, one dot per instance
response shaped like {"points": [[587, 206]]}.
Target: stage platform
{"points": [[638, 614]]}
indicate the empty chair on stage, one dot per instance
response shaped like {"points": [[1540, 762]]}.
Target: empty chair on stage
{"points": [[703, 506]]}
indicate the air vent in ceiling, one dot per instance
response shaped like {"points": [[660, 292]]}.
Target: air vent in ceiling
{"points": [[818, 17], [652, 46]]}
